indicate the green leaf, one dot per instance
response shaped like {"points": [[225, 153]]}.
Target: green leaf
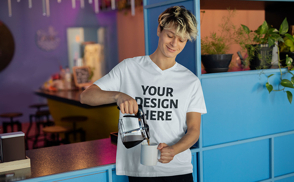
{"points": [[256, 39], [280, 39], [264, 28], [271, 42], [292, 79], [290, 72], [284, 27], [289, 36], [289, 60], [289, 96], [288, 43], [270, 75], [269, 87], [246, 29], [287, 83]]}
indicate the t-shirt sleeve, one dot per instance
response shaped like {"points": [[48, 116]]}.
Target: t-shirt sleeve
{"points": [[112, 80], [197, 103]]}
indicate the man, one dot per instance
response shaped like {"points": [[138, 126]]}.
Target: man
{"points": [[171, 97]]}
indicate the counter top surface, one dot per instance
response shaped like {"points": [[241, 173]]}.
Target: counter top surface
{"points": [[71, 157], [67, 96]]}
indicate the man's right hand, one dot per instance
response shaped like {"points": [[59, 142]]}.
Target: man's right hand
{"points": [[127, 104]]}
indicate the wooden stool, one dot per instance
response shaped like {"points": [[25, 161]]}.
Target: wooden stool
{"points": [[11, 122], [41, 119], [55, 131], [74, 120], [38, 106]]}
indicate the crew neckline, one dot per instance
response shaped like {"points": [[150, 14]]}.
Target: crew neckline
{"points": [[159, 69]]}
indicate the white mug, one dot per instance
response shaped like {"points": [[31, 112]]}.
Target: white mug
{"points": [[149, 154]]}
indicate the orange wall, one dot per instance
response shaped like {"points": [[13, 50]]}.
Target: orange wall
{"points": [[211, 19], [130, 31]]}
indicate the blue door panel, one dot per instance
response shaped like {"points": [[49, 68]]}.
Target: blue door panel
{"points": [[119, 178], [238, 163], [290, 179], [89, 177], [187, 56], [240, 107], [284, 155]]}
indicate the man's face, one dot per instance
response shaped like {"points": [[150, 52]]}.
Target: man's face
{"points": [[169, 44]]}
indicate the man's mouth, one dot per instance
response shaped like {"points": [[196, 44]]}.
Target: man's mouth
{"points": [[170, 50]]}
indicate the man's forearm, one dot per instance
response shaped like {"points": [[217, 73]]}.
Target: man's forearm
{"points": [[187, 141], [94, 96]]}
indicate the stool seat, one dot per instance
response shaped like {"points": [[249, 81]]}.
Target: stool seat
{"points": [[38, 106], [12, 122], [11, 115], [74, 119], [42, 113], [56, 129]]}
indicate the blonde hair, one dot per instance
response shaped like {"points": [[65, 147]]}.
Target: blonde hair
{"points": [[184, 21]]}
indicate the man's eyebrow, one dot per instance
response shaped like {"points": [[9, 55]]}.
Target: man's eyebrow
{"points": [[171, 32]]}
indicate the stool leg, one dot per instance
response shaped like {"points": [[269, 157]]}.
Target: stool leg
{"points": [[4, 127], [74, 131], [37, 135], [30, 126], [19, 127]]}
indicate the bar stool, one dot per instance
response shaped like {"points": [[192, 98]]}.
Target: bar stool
{"points": [[74, 120], [38, 106], [11, 122], [55, 131], [41, 119]]}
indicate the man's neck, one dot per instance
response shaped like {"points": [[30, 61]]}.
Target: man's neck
{"points": [[161, 61]]}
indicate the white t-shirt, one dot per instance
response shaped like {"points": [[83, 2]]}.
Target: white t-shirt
{"points": [[166, 97]]}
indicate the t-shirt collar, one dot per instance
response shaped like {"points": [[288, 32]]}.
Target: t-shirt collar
{"points": [[157, 68]]}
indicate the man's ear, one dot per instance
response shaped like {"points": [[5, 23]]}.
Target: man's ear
{"points": [[158, 30]]}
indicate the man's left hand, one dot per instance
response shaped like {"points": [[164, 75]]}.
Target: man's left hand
{"points": [[167, 153]]}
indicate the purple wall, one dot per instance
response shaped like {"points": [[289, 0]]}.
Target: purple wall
{"points": [[32, 66]]}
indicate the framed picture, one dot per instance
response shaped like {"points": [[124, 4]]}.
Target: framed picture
{"points": [[82, 76]]}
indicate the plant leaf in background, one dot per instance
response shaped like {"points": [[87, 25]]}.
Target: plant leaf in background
{"points": [[246, 29], [287, 83], [289, 60], [264, 28], [289, 96], [269, 87], [284, 27], [271, 42]]}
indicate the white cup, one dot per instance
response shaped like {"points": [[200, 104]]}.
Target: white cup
{"points": [[149, 154]]}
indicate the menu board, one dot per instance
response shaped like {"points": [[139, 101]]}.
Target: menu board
{"points": [[82, 76]]}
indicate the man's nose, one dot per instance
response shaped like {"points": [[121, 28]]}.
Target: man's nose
{"points": [[174, 41]]}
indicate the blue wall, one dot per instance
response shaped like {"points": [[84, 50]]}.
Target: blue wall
{"points": [[247, 134], [31, 66]]}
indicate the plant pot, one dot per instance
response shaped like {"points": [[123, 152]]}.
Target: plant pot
{"points": [[283, 57], [262, 56], [216, 63]]}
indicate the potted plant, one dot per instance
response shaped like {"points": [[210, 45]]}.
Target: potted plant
{"points": [[285, 83], [214, 48], [259, 44], [286, 49]]}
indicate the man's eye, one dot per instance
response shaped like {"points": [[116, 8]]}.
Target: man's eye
{"points": [[169, 36]]}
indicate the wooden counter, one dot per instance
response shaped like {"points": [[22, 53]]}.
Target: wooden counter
{"points": [[102, 120]]}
